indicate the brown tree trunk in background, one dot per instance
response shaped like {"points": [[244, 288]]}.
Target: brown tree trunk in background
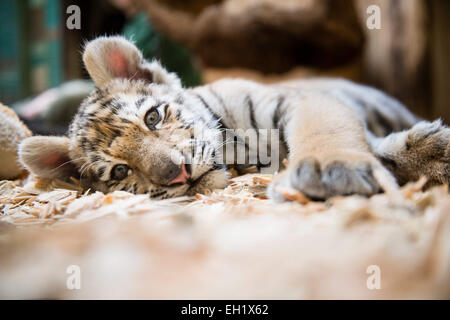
{"points": [[440, 58], [271, 36], [396, 56]]}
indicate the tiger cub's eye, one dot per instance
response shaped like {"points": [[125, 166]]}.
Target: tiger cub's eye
{"points": [[120, 172], [152, 118]]}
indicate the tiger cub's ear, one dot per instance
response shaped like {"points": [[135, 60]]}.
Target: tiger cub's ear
{"points": [[107, 58], [47, 157]]}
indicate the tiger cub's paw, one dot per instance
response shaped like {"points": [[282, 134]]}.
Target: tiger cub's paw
{"points": [[426, 152], [320, 182]]}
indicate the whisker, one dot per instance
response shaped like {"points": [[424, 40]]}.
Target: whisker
{"points": [[86, 166], [73, 160]]}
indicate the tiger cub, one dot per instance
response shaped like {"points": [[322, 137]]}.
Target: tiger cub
{"points": [[140, 131]]}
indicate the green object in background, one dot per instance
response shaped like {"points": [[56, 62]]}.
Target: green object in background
{"points": [[173, 56], [31, 47], [45, 44], [13, 76]]}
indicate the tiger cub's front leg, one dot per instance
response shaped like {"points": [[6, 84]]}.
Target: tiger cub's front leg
{"points": [[328, 152]]}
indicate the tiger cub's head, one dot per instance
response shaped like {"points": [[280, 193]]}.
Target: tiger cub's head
{"points": [[139, 131]]}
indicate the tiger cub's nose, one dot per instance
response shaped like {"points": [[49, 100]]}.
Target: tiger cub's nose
{"points": [[178, 174]]}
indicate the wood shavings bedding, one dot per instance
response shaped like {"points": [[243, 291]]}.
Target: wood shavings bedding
{"points": [[231, 243]]}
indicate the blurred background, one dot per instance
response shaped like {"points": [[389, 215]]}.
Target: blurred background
{"points": [[42, 77]]}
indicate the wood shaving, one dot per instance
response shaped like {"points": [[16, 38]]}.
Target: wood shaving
{"points": [[412, 188], [293, 195]]}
